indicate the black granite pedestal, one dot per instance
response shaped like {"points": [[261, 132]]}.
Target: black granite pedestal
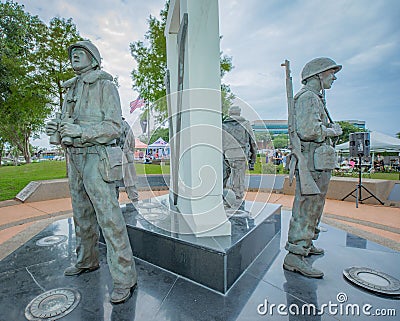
{"points": [[159, 237]]}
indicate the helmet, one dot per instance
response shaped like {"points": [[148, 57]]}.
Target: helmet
{"points": [[318, 65], [89, 46], [234, 110]]}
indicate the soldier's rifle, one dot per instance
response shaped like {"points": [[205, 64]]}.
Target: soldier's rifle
{"points": [[297, 159]]}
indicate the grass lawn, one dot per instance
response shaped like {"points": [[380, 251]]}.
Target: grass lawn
{"points": [[149, 169], [14, 178], [378, 175], [390, 176]]}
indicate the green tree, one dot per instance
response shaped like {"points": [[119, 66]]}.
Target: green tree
{"points": [[34, 62], [264, 139], [54, 60], [24, 100], [159, 132], [398, 135], [227, 97], [148, 77], [151, 58], [347, 129], [280, 141]]}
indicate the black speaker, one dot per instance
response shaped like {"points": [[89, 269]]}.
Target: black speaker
{"points": [[359, 144]]}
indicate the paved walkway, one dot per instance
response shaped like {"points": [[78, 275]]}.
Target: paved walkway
{"points": [[19, 222]]}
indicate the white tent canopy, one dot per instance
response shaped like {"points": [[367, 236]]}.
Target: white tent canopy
{"points": [[160, 146], [158, 143], [379, 143]]}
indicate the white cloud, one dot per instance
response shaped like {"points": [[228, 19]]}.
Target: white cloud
{"points": [[374, 55]]}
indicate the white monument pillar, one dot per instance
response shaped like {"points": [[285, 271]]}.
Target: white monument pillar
{"points": [[193, 60]]}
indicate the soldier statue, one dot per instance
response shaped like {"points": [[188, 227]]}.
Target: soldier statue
{"points": [[127, 143], [313, 162], [90, 124], [239, 145]]}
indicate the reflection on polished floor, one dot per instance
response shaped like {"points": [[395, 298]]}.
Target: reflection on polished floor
{"points": [[162, 295]]}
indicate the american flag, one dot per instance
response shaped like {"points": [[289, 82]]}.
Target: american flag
{"points": [[137, 103]]}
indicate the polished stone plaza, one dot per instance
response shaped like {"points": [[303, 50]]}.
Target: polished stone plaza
{"points": [[161, 295]]}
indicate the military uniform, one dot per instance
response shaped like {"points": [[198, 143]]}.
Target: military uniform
{"points": [[127, 143], [90, 125], [314, 128], [96, 108], [311, 124], [238, 145]]}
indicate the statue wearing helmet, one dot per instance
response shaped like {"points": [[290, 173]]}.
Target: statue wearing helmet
{"points": [[238, 144], [90, 124], [89, 47], [317, 66], [315, 128]]}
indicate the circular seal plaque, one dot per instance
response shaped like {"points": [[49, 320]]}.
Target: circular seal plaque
{"points": [[372, 280], [52, 305], [51, 240]]}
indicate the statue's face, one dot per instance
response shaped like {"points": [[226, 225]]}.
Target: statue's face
{"points": [[80, 59], [328, 77]]}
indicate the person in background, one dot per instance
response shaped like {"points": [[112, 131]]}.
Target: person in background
{"points": [[284, 158], [277, 157]]}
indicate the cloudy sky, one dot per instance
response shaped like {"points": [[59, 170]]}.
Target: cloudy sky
{"points": [[362, 35]]}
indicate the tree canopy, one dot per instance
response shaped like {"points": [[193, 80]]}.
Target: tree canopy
{"points": [[159, 132], [24, 101], [61, 33], [280, 141], [151, 58], [33, 64], [347, 129]]}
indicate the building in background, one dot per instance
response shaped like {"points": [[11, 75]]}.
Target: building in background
{"points": [[274, 126], [280, 126], [358, 123]]}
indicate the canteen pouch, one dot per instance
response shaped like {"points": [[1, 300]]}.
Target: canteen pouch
{"points": [[111, 161], [324, 158]]}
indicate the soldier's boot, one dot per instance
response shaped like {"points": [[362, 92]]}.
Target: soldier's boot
{"points": [[132, 194], [316, 250], [121, 295], [73, 270], [133, 197], [296, 263]]}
